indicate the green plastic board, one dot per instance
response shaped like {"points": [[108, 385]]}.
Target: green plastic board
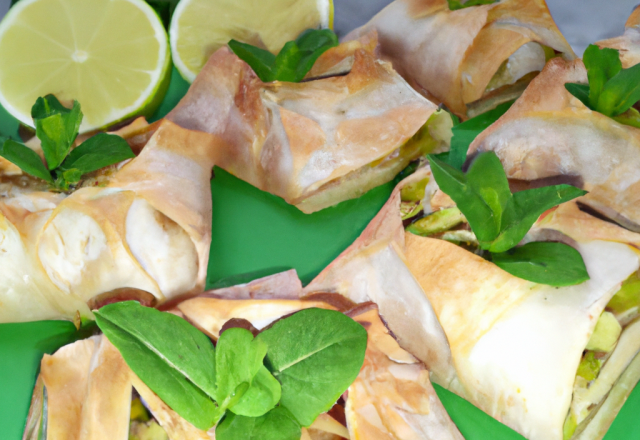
{"points": [[252, 232]]}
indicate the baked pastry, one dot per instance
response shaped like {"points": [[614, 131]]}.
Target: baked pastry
{"points": [[352, 125], [473, 58]]}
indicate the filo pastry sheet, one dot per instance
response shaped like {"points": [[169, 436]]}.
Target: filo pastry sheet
{"points": [[509, 346], [84, 390], [470, 59], [144, 230], [346, 129]]}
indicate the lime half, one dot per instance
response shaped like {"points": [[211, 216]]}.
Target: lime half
{"points": [[200, 27], [112, 56]]}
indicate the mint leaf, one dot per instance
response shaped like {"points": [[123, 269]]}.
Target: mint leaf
{"points": [[621, 92], [554, 264], [454, 5], [239, 357], [466, 132], [27, 159], [487, 179], [478, 213], [153, 368], [312, 43], [602, 65], [260, 60], [295, 59], [580, 91], [97, 152], [261, 397], [277, 424], [500, 220], [612, 90], [525, 207], [47, 106], [286, 63], [56, 127], [168, 354], [315, 354]]}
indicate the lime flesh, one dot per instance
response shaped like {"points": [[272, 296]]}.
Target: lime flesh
{"points": [[110, 55], [200, 27]]}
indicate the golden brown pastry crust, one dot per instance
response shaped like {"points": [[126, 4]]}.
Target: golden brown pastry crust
{"points": [[452, 55], [300, 140], [482, 308], [68, 248]]}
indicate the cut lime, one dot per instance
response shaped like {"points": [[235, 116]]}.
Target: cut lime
{"points": [[112, 56], [200, 27]]}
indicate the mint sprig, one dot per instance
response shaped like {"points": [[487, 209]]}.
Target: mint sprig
{"points": [[454, 5], [500, 219], [266, 387], [293, 61], [612, 90], [57, 128]]}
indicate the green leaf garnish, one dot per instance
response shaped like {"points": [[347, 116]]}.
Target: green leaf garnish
{"points": [[454, 5], [580, 91], [466, 132], [602, 65], [293, 61], [57, 128], [168, 354], [27, 159], [239, 357], [315, 354], [612, 90], [98, 152], [500, 220], [621, 92], [277, 424], [262, 396], [523, 209], [555, 264], [260, 60], [484, 221], [47, 106]]}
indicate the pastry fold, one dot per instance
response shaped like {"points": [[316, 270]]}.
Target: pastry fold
{"points": [[470, 59], [84, 390], [343, 131], [549, 134], [392, 397], [145, 226], [511, 347]]}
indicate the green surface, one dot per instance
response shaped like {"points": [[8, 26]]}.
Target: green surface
{"points": [[252, 232], [255, 231]]}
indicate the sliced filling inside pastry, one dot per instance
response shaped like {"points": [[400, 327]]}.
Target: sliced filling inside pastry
{"points": [[610, 363], [433, 137], [143, 426], [513, 77]]}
